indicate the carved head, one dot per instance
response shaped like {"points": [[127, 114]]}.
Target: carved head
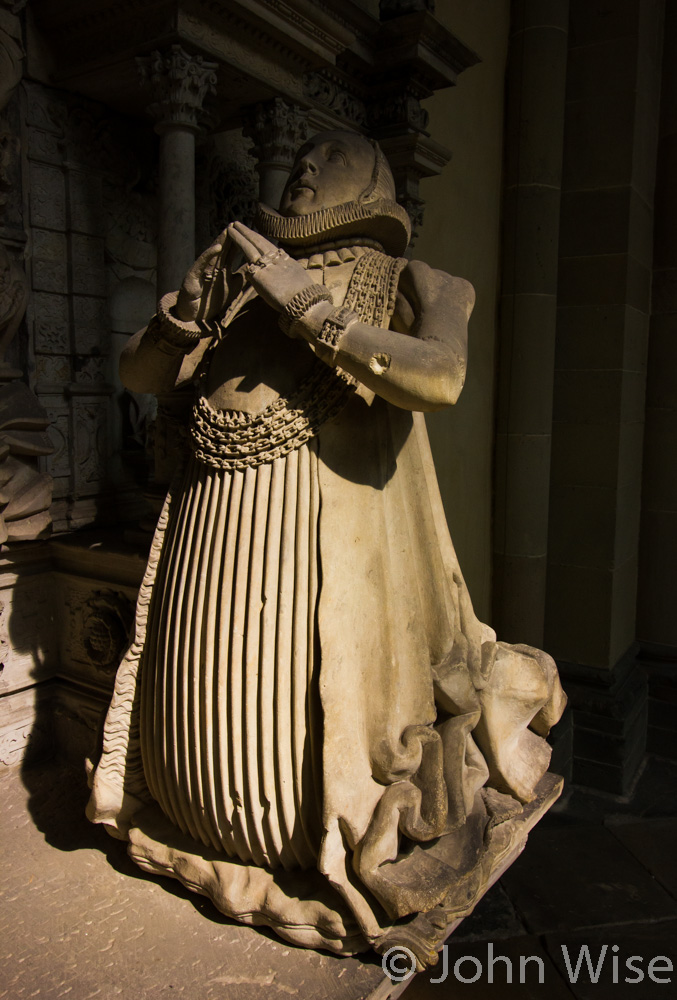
{"points": [[335, 168], [340, 192]]}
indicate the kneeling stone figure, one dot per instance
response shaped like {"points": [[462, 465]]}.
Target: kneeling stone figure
{"points": [[311, 726]]}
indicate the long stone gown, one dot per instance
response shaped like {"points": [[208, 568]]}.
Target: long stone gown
{"points": [[308, 691]]}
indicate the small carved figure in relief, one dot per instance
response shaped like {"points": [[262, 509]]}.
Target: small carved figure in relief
{"points": [[311, 726]]}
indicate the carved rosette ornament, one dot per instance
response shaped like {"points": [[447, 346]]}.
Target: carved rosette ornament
{"points": [[106, 620], [180, 82]]}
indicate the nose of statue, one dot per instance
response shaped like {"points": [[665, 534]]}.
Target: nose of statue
{"points": [[307, 166]]}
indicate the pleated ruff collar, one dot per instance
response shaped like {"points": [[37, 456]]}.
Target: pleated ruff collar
{"points": [[332, 258]]}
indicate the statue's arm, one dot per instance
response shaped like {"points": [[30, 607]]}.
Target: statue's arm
{"points": [[149, 363], [420, 362], [152, 361]]}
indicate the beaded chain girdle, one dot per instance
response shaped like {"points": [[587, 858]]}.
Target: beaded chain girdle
{"points": [[231, 439]]}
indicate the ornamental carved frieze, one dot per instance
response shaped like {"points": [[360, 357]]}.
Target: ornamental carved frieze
{"points": [[179, 83], [330, 92]]}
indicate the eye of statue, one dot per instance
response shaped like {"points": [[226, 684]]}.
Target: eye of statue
{"points": [[336, 156]]}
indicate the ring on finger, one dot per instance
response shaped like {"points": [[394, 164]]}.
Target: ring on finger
{"points": [[272, 257]]}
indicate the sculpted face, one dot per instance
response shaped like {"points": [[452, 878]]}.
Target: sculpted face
{"points": [[330, 169]]}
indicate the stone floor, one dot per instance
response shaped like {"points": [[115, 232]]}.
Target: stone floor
{"points": [[79, 920]]}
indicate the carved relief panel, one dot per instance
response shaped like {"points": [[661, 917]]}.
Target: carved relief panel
{"points": [[96, 621], [91, 209]]}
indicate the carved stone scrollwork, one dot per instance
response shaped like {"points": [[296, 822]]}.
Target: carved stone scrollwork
{"points": [[328, 92], [179, 82], [402, 110]]}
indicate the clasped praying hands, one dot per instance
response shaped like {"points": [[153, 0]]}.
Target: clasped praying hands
{"points": [[276, 276]]}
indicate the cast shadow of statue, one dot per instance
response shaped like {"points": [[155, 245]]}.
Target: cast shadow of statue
{"points": [[57, 796], [56, 784]]}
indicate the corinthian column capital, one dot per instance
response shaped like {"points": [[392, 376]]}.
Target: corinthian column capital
{"points": [[278, 129], [179, 83]]}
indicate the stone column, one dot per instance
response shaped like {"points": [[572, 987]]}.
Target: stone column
{"points": [[604, 306], [536, 88], [179, 83], [278, 129], [657, 583]]}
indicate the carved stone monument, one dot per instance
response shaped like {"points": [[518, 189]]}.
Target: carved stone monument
{"points": [[310, 726]]}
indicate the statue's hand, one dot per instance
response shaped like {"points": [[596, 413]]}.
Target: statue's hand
{"points": [[203, 292], [275, 275]]}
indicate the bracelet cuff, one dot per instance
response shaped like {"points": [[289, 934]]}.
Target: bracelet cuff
{"points": [[301, 303]]}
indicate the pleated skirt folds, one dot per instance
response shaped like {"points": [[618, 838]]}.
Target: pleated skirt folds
{"points": [[230, 726]]}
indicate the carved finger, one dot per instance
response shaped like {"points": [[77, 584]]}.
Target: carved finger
{"points": [[250, 252], [260, 242]]}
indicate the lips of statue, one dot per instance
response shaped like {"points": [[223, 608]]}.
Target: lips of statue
{"points": [[330, 169]]}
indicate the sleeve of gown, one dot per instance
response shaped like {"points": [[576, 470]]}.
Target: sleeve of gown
{"points": [[420, 362], [150, 364]]}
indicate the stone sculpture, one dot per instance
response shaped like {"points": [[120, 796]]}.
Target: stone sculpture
{"points": [[25, 492], [311, 726]]}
